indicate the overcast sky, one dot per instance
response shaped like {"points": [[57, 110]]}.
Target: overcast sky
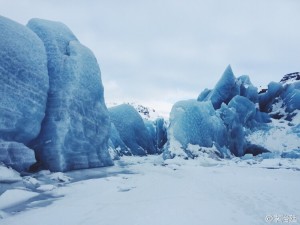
{"points": [[157, 52]]}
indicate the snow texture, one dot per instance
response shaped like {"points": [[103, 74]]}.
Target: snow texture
{"points": [[75, 130], [24, 82], [14, 197], [177, 191], [8, 175], [16, 155], [132, 129], [290, 78], [281, 136]]}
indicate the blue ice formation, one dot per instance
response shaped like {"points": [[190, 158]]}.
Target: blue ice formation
{"points": [[286, 96], [117, 143], [196, 123], [158, 133], [224, 91], [294, 154], [150, 126], [227, 87], [24, 82], [238, 115], [16, 155], [161, 133], [267, 99], [247, 89], [76, 126], [132, 129], [291, 97], [221, 117]]}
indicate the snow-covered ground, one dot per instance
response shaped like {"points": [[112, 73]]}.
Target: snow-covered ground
{"points": [[148, 190], [281, 136]]}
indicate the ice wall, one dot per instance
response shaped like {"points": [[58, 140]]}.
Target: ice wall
{"points": [[196, 123], [75, 130], [24, 82], [132, 129]]}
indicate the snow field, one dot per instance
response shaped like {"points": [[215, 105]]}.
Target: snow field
{"points": [[153, 191]]}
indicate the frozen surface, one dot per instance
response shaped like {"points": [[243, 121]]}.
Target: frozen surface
{"points": [[14, 197], [75, 130], [23, 82], [196, 123], [16, 155], [8, 175], [132, 129], [202, 191]]}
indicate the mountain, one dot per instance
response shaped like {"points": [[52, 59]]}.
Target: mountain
{"points": [[290, 78]]}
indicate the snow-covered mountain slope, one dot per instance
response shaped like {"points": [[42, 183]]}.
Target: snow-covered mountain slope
{"points": [[282, 136], [290, 78], [151, 191], [146, 112]]}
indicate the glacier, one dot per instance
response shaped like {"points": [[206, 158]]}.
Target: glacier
{"points": [[228, 117], [132, 129], [160, 133], [24, 82], [224, 91], [16, 155], [157, 130], [239, 116], [266, 100], [75, 130], [286, 93], [196, 123], [53, 113], [116, 142]]}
